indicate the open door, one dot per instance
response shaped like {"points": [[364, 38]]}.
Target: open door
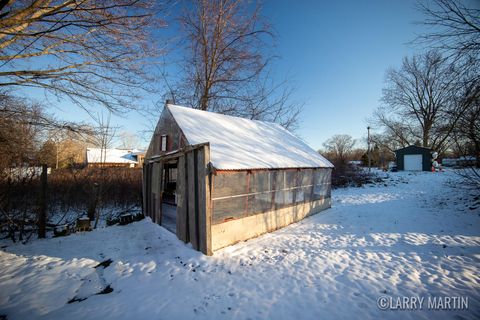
{"points": [[169, 196], [177, 194]]}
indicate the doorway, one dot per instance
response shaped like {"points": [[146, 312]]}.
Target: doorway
{"points": [[169, 196]]}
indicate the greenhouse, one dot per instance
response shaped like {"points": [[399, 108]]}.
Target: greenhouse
{"points": [[215, 180]]}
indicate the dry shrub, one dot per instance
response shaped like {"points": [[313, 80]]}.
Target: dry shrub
{"points": [[346, 175], [68, 190], [117, 186]]}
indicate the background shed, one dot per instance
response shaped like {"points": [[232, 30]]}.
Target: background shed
{"points": [[414, 158], [215, 180]]}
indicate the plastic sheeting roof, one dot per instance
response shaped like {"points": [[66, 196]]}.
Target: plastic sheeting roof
{"points": [[238, 143]]}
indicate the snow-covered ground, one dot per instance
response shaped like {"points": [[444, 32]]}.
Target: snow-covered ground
{"points": [[413, 237]]}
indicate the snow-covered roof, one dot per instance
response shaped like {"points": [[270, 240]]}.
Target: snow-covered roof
{"points": [[238, 143], [95, 155], [137, 152], [412, 146]]}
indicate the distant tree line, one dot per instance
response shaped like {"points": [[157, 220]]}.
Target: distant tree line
{"points": [[350, 160], [30, 138]]}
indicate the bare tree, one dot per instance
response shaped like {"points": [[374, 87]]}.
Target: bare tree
{"points": [[226, 60], [467, 132], [339, 149], [453, 27], [21, 124], [395, 133], [90, 51], [419, 101], [454, 30], [389, 140], [103, 139], [102, 135], [20, 136], [433, 98], [128, 140], [340, 146], [69, 146]]}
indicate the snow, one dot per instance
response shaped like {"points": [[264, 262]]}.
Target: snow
{"points": [[416, 236], [95, 155], [238, 143]]}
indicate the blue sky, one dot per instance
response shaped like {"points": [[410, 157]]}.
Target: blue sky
{"points": [[336, 54]]}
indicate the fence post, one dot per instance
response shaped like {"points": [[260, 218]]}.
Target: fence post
{"points": [[42, 212]]}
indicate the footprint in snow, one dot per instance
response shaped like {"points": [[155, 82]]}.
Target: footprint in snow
{"points": [[93, 284]]}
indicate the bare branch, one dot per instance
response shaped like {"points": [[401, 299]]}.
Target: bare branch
{"points": [[226, 63], [93, 52]]}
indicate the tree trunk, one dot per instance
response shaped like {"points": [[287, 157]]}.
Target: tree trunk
{"points": [[477, 155], [204, 101], [426, 135], [42, 211], [92, 207]]}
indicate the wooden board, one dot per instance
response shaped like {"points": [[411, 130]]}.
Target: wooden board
{"points": [[150, 193], [192, 196], [144, 175], [193, 190], [154, 192], [158, 212], [182, 204], [203, 201], [208, 203], [146, 190]]}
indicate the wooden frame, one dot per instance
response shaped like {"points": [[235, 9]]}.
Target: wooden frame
{"points": [[194, 210]]}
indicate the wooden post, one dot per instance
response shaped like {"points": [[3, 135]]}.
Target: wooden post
{"points": [[144, 189], [192, 199], [182, 200], [273, 176], [247, 178], [148, 190], [42, 212], [204, 201], [160, 194], [155, 185]]}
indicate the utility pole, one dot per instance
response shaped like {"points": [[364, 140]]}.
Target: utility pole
{"points": [[368, 148]]}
